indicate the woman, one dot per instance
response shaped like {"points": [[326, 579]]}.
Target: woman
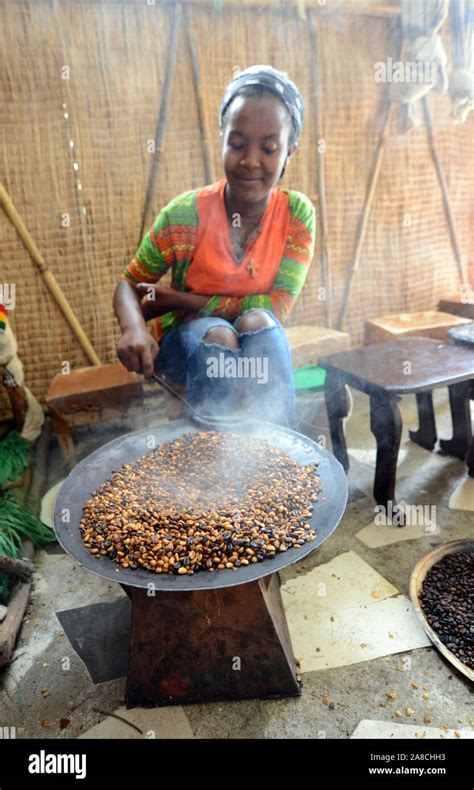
{"points": [[239, 251]]}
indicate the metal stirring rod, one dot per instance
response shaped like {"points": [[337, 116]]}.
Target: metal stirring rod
{"points": [[202, 417]]}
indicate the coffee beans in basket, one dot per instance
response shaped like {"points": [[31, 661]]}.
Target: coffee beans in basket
{"points": [[446, 599], [204, 502]]}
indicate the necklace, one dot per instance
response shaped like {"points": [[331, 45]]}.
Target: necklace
{"points": [[241, 236], [240, 240]]}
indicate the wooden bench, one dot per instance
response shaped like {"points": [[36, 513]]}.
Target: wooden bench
{"points": [[90, 395], [455, 305], [428, 323], [307, 343]]}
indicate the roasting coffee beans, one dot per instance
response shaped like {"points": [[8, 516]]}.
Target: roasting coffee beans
{"points": [[446, 598], [204, 502]]}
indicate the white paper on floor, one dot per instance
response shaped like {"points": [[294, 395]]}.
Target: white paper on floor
{"points": [[153, 722], [344, 612], [463, 497], [376, 535], [331, 582], [370, 728]]}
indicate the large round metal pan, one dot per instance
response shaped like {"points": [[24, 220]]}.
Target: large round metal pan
{"points": [[99, 465]]}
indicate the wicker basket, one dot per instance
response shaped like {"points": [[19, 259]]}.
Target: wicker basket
{"points": [[416, 581]]}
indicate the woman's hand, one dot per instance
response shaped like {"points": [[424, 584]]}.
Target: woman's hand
{"points": [[159, 299], [137, 350]]}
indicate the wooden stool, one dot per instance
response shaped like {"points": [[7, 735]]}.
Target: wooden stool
{"points": [[380, 371], [307, 343], [90, 395], [183, 645], [453, 304], [426, 324]]}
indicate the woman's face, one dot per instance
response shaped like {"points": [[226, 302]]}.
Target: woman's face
{"points": [[255, 146]]}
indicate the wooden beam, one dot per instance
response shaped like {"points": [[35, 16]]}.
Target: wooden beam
{"points": [[364, 216], [16, 567], [200, 102], [375, 9], [162, 115], [17, 604], [444, 191], [47, 275], [321, 169]]}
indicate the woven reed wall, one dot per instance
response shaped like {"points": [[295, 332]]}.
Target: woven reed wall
{"points": [[116, 55]]}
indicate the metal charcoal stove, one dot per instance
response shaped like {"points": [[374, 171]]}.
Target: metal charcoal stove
{"points": [[210, 636]]}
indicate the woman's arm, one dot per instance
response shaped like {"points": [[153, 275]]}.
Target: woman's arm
{"points": [[136, 349], [127, 307], [157, 300]]}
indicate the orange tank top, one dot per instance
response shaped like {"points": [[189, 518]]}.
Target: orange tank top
{"points": [[214, 268]]}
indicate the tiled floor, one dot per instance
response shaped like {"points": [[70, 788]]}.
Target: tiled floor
{"points": [[367, 665]]}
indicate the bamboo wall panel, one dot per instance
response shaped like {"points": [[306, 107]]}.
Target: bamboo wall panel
{"points": [[116, 55]]}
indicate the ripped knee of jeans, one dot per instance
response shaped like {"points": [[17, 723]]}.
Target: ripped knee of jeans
{"points": [[222, 336], [254, 320]]}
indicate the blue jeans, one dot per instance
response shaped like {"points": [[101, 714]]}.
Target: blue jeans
{"points": [[254, 380]]}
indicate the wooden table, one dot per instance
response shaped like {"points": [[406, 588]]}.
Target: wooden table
{"points": [[385, 372], [464, 336]]}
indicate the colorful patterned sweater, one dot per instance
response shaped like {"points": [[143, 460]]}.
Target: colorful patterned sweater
{"points": [[191, 236], [3, 318]]}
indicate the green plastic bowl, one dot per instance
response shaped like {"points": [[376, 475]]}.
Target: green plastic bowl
{"points": [[310, 377]]}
